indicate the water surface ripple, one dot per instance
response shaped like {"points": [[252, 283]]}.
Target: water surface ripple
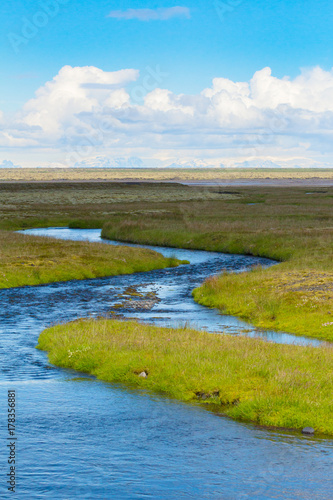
{"points": [[79, 438]]}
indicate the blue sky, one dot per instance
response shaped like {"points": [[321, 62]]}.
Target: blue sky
{"points": [[285, 35], [231, 39]]}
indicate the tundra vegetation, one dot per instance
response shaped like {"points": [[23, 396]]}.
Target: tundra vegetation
{"points": [[291, 225]]}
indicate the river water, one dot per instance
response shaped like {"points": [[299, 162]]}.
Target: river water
{"points": [[79, 438]]}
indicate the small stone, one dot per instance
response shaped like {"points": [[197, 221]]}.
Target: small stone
{"points": [[143, 375], [308, 430]]}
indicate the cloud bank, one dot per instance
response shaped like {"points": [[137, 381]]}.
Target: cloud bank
{"points": [[85, 112], [160, 14]]}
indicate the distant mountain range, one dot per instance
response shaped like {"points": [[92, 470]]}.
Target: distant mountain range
{"points": [[136, 162], [106, 162], [8, 164]]}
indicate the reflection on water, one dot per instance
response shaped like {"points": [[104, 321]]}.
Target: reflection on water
{"points": [[81, 439]]}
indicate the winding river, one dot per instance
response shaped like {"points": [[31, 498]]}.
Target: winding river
{"points": [[79, 438]]}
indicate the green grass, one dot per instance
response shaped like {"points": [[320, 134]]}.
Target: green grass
{"points": [[285, 223], [84, 204], [299, 302], [31, 260], [247, 379]]}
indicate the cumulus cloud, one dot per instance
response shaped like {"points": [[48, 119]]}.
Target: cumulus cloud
{"points": [[85, 112], [160, 14], [73, 91]]}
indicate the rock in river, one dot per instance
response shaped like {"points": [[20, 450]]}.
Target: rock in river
{"points": [[308, 430]]}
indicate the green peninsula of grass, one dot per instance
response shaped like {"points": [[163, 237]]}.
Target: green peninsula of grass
{"points": [[298, 301], [35, 260], [247, 379]]}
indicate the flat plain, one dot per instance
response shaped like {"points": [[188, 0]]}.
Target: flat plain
{"points": [[189, 175]]}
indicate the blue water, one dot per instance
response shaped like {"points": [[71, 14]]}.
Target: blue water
{"points": [[79, 438], [173, 288]]}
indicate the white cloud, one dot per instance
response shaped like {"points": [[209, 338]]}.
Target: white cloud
{"points": [[159, 14], [85, 112], [72, 91]]}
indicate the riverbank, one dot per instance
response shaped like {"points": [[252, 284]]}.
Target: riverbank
{"points": [[34, 260], [296, 301], [250, 380], [293, 226]]}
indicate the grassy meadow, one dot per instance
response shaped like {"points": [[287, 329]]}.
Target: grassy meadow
{"points": [[45, 204], [291, 224], [247, 379], [33, 260]]}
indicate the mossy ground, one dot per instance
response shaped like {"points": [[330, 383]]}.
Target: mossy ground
{"points": [[247, 379]]}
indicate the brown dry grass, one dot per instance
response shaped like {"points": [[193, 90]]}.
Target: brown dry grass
{"points": [[158, 174]]}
